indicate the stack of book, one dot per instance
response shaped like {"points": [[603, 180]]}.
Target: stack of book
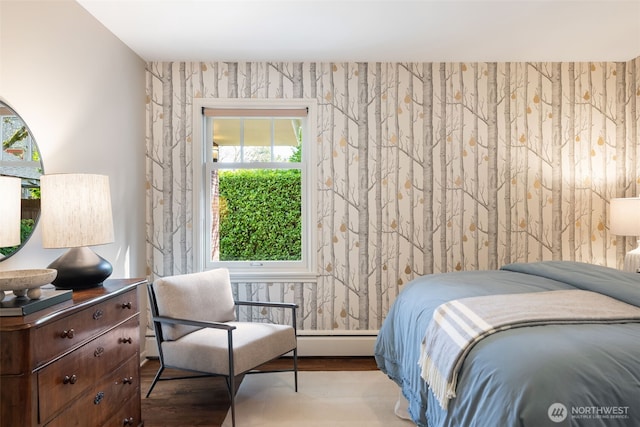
{"points": [[13, 305]]}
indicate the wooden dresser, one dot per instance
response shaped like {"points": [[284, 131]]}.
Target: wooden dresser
{"points": [[76, 363]]}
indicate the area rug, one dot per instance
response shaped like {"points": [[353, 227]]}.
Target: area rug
{"points": [[328, 398]]}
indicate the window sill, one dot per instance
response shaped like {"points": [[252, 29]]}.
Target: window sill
{"points": [[272, 276]]}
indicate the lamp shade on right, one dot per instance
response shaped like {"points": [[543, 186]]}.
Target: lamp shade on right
{"points": [[624, 216], [76, 210]]}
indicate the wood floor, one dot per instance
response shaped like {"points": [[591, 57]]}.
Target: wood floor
{"points": [[204, 401]]}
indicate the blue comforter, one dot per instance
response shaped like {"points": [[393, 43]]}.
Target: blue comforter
{"points": [[553, 375]]}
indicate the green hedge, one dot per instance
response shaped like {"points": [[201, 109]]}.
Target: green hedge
{"points": [[260, 215]]}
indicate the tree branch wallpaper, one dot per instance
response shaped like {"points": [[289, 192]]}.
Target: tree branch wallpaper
{"points": [[421, 168]]}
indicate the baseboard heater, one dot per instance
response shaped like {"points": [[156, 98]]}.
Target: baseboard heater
{"points": [[316, 343], [336, 343]]}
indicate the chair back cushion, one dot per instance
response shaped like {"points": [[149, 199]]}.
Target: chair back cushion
{"points": [[204, 296]]}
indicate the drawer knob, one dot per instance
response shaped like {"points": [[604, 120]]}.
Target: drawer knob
{"points": [[70, 379], [98, 398], [97, 315], [98, 352], [127, 421], [126, 380], [126, 340], [68, 333], [126, 305]]}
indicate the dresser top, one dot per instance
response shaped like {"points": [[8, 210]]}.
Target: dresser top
{"points": [[80, 299]]}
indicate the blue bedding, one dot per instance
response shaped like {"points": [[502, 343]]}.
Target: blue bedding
{"points": [[552, 375]]}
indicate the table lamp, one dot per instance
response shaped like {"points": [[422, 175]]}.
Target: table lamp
{"points": [[76, 213], [624, 220]]}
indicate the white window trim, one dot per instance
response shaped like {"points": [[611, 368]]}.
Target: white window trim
{"points": [[244, 272]]}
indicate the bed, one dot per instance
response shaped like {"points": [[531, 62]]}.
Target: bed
{"points": [[582, 373]]}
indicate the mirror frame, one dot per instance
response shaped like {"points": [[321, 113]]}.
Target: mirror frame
{"points": [[29, 181]]}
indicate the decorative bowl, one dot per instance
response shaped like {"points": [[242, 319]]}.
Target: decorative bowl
{"points": [[26, 282]]}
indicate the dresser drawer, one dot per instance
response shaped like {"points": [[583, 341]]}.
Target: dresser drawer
{"points": [[128, 415], [109, 397], [58, 337], [71, 376]]}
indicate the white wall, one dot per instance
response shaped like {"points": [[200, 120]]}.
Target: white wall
{"points": [[82, 93]]}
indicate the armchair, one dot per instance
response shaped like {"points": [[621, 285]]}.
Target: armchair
{"points": [[194, 318]]}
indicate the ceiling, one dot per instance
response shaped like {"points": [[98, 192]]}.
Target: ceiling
{"points": [[374, 30]]}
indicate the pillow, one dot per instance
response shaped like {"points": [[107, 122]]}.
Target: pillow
{"points": [[197, 296]]}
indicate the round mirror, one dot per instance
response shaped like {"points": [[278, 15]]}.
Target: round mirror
{"points": [[20, 158]]}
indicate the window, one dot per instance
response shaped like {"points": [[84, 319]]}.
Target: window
{"points": [[254, 203]]}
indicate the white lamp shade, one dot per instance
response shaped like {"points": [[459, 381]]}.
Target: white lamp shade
{"points": [[624, 216], [9, 211], [76, 210]]}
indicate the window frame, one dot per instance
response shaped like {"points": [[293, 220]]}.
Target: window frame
{"points": [[274, 271]]}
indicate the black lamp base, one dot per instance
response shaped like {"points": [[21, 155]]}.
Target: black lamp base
{"points": [[80, 268]]}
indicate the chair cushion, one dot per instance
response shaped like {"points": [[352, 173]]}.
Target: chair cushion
{"points": [[205, 350], [202, 296]]}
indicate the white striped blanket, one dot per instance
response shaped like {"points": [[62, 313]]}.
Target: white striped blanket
{"points": [[458, 325]]}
